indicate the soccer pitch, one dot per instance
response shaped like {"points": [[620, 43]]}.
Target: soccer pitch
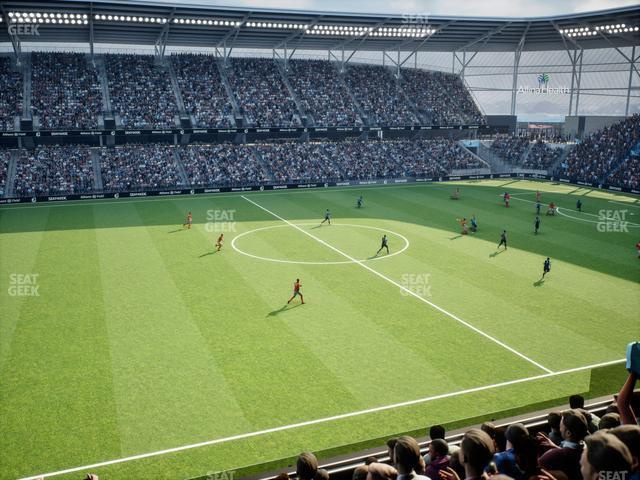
{"points": [[131, 349]]}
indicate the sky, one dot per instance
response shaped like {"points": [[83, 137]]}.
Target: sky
{"points": [[486, 8]]}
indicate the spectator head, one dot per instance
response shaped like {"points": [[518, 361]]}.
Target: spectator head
{"points": [[407, 455], [381, 471], [306, 466], [576, 401], [476, 451], [322, 474], [360, 472], [436, 431], [370, 460], [391, 445], [604, 452], [454, 463], [282, 476], [516, 435], [438, 448], [609, 420], [554, 419], [630, 436], [591, 426], [500, 440], [489, 428], [573, 426]]}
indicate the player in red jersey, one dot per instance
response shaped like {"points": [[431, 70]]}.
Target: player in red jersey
{"points": [[219, 242], [507, 197], [188, 221], [296, 291], [538, 195]]}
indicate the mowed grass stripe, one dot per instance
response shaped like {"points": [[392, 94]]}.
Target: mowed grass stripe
{"points": [[244, 339], [56, 396], [18, 254], [168, 387]]}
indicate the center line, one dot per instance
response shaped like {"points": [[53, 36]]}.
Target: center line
{"points": [[401, 287]]}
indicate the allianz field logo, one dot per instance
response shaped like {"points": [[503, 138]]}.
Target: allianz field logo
{"points": [[544, 87]]}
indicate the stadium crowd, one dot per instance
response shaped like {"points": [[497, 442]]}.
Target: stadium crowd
{"points": [[53, 170], [141, 92], [65, 91], [542, 156], [297, 162], [602, 151], [137, 167], [510, 148], [380, 96], [574, 445], [221, 165], [10, 94], [4, 167], [322, 94], [628, 175], [203, 93], [261, 94]]}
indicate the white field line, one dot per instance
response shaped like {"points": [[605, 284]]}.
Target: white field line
{"points": [[93, 466], [401, 287], [625, 204], [630, 224]]}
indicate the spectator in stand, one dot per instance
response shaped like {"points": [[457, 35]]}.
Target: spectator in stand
{"points": [[360, 472], [506, 461], [261, 94], [605, 454], [476, 451], [221, 165], [203, 93], [322, 94], [438, 458], [4, 167], [408, 461], [381, 471], [601, 152], [553, 420], [510, 148], [541, 156], [391, 445], [566, 457], [10, 94], [630, 436], [141, 92], [54, 170], [298, 162], [65, 91], [306, 466], [136, 168], [609, 421], [380, 96], [441, 98]]}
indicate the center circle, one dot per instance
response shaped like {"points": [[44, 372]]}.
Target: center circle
{"points": [[302, 262]]}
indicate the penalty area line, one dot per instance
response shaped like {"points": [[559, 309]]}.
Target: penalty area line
{"points": [[403, 288], [319, 421]]}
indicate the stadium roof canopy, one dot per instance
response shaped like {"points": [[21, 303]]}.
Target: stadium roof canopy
{"points": [[182, 24]]}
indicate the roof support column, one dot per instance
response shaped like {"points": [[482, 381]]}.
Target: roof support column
{"points": [[514, 85], [578, 81], [631, 68], [573, 78]]}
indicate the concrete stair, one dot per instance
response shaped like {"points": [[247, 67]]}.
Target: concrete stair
{"points": [[11, 173], [97, 171], [180, 167]]}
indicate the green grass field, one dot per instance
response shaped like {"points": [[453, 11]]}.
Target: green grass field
{"points": [[141, 339]]}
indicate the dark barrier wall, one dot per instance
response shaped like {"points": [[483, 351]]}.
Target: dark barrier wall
{"points": [[292, 186]]}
